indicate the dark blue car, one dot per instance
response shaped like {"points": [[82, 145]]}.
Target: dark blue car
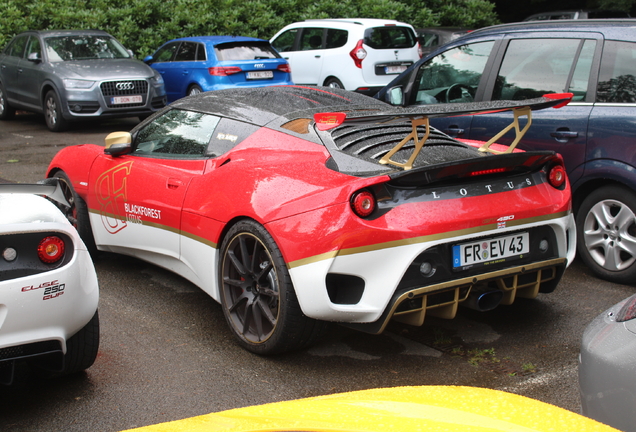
{"points": [[596, 133], [192, 65]]}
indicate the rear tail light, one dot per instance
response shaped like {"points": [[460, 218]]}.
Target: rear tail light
{"points": [[358, 54], [487, 172], [224, 71], [556, 176], [363, 203], [628, 311], [419, 50], [284, 68], [51, 249]]}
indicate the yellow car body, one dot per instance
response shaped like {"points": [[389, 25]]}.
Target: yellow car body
{"points": [[421, 408]]}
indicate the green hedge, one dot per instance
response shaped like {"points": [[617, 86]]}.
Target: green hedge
{"points": [[143, 25]]}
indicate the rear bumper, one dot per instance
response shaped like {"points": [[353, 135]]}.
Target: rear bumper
{"points": [[367, 288]]}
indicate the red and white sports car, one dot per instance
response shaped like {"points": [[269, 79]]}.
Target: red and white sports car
{"points": [[293, 206]]}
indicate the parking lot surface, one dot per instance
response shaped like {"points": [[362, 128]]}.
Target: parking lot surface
{"points": [[166, 352]]}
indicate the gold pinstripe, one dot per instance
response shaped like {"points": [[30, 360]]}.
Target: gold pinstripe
{"points": [[363, 249]]}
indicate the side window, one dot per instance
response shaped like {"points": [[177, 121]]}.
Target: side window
{"points": [[336, 38], [534, 67], [166, 53], [311, 39], [33, 51], [285, 42], [178, 134], [201, 56], [428, 40], [617, 77], [581, 75], [187, 52], [16, 49], [452, 76], [228, 134]]}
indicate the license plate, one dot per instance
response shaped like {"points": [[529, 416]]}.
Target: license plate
{"points": [[394, 69], [491, 251], [260, 75], [118, 100]]}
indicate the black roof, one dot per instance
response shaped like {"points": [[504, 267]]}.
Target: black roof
{"points": [[263, 105]]}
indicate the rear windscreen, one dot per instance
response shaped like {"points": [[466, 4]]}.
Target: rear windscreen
{"points": [[245, 51], [389, 37]]}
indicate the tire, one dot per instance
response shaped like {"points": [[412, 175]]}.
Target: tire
{"points": [[53, 113], [193, 90], [81, 352], [606, 233], [7, 112], [334, 83], [77, 213], [82, 347], [257, 295]]}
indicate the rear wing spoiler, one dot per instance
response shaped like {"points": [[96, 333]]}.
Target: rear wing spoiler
{"points": [[49, 188], [420, 115]]}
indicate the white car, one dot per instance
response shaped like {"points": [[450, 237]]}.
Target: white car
{"points": [[354, 54], [48, 286]]}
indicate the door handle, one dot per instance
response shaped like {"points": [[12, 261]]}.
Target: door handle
{"points": [[317, 56], [564, 134], [454, 131], [173, 183]]}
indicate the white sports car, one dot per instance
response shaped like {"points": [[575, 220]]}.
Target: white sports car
{"points": [[48, 286]]}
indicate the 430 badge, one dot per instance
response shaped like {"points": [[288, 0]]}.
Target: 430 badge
{"points": [[50, 289]]}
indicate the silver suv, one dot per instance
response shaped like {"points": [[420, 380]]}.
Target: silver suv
{"points": [[71, 75]]}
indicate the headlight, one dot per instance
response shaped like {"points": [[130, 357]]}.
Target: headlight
{"points": [[73, 84], [157, 79]]}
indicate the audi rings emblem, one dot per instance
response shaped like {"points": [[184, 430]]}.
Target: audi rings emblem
{"points": [[125, 85]]}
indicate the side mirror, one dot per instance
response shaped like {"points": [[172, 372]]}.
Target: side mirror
{"points": [[34, 57], [118, 143], [148, 59], [395, 96]]}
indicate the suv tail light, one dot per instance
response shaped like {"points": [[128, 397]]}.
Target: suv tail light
{"points": [[224, 71], [284, 68], [362, 203], [419, 50], [51, 249], [358, 54]]}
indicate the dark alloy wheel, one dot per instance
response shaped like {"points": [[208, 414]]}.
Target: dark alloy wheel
{"points": [[77, 213], [257, 294], [53, 113], [606, 233]]}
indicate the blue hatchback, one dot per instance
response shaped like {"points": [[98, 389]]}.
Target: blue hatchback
{"points": [[192, 65]]}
